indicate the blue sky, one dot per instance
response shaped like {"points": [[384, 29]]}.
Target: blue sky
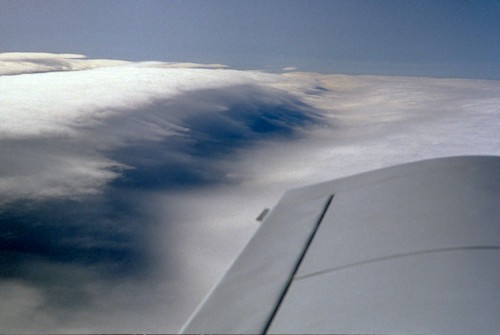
{"points": [[433, 38]]}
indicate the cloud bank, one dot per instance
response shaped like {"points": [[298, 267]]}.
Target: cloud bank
{"points": [[12, 63], [60, 130], [126, 189]]}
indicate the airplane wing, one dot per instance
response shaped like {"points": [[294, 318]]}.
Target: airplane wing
{"points": [[413, 248]]}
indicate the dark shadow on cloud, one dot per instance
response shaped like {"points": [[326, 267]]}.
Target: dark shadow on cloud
{"points": [[206, 129], [60, 245], [218, 123], [95, 230], [317, 90], [74, 252]]}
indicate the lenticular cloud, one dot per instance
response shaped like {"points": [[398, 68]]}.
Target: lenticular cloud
{"points": [[126, 189]]}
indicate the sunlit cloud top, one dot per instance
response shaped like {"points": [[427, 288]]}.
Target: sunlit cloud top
{"points": [[79, 110], [132, 185]]}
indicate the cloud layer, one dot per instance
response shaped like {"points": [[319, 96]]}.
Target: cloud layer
{"points": [[12, 63], [59, 130], [126, 189]]}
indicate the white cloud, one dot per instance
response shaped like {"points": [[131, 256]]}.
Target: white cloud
{"points": [[72, 133], [382, 121], [13, 63], [20, 56], [59, 102], [56, 125]]}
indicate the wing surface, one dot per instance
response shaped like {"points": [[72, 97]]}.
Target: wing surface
{"points": [[413, 248]]}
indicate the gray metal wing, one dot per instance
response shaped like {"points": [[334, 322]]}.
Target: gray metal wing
{"points": [[413, 248]]}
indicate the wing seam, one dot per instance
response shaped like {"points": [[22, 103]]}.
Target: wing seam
{"points": [[391, 257]]}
